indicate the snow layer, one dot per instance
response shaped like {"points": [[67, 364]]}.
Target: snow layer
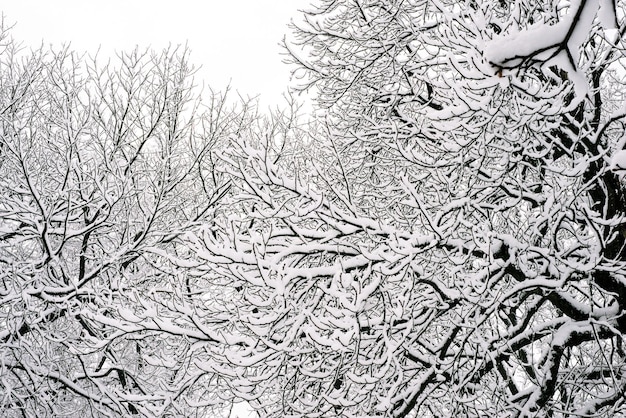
{"points": [[558, 44]]}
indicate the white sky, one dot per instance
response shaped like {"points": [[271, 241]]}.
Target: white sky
{"points": [[234, 41]]}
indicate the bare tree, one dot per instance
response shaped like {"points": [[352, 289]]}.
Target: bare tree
{"points": [[446, 240], [450, 241], [102, 169]]}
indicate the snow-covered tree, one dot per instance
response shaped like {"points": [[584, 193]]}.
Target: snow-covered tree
{"points": [[447, 239], [451, 240], [102, 169]]}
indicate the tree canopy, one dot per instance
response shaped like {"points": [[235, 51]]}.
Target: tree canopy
{"points": [[446, 238]]}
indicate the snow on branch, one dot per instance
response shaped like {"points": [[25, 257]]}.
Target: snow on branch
{"points": [[556, 44]]}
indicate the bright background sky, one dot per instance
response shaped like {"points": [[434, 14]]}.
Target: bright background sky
{"points": [[235, 41]]}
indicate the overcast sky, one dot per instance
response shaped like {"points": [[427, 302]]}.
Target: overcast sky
{"points": [[233, 40]]}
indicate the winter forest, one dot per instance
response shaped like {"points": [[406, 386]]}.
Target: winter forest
{"points": [[445, 236]]}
